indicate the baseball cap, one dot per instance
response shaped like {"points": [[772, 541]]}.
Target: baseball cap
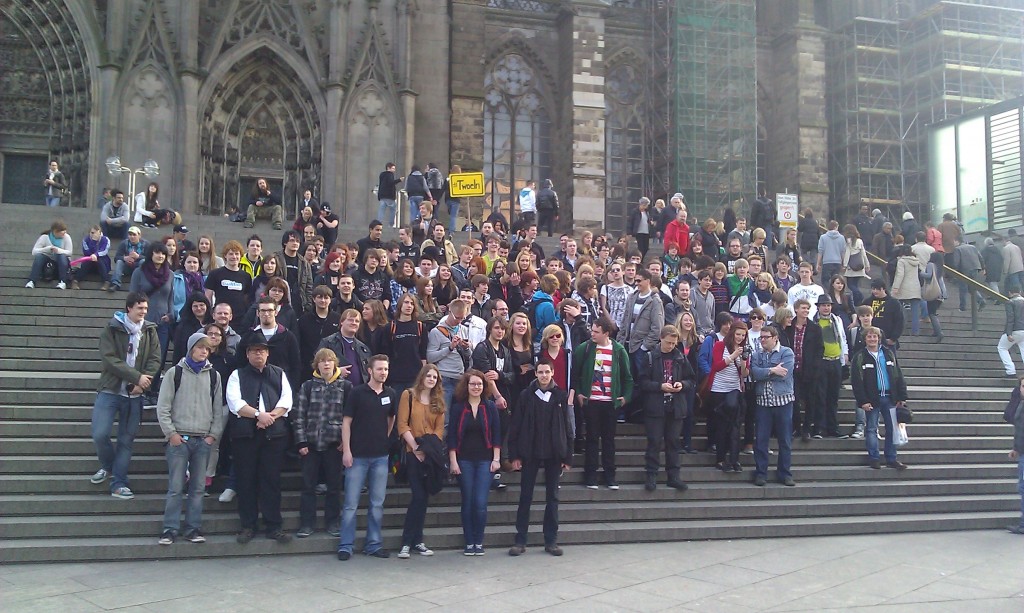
{"points": [[181, 228]]}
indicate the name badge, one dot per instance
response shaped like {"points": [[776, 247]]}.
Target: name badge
{"points": [[386, 400], [869, 366]]}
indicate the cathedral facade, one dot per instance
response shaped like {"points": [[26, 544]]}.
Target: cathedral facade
{"points": [[321, 94]]}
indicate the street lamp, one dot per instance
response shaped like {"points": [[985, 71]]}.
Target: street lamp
{"points": [[150, 168]]}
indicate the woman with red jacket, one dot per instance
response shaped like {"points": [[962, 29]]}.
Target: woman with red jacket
{"points": [[729, 367]]}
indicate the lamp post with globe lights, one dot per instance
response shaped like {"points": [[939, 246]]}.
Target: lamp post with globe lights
{"points": [[150, 168]]}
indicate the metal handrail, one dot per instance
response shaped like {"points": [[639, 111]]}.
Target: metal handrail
{"points": [[957, 275]]}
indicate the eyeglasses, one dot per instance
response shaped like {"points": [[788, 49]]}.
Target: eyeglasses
{"points": [[267, 311], [476, 384]]}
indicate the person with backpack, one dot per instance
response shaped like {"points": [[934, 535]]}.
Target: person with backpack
{"points": [[547, 206], [418, 189], [665, 377], [541, 309], [191, 417], [435, 182]]}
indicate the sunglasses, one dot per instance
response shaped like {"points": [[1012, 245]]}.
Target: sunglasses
{"points": [[757, 317], [555, 336]]}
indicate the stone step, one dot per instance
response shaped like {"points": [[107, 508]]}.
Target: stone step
{"points": [[76, 526], [500, 536], [837, 456], [155, 483], [98, 503]]}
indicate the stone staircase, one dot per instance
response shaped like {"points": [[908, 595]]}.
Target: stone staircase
{"points": [[959, 479]]}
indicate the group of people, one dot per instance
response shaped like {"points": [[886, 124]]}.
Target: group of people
{"points": [[431, 360]]}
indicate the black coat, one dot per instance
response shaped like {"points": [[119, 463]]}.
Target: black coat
{"points": [[650, 377], [813, 349], [311, 330], [284, 353], [808, 232], [485, 359], [435, 464], [535, 421]]}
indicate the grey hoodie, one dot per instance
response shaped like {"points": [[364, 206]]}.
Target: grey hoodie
{"points": [[189, 409], [832, 247], [451, 363]]}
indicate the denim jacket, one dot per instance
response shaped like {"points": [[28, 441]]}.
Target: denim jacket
{"points": [[762, 362]]}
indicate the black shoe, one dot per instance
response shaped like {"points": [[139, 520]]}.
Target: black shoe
{"points": [[875, 464], [612, 484], [651, 482], [517, 550], [897, 465], [496, 483], [380, 553], [280, 536], [195, 537], [817, 437], [591, 483], [737, 468], [344, 556], [554, 550], [244, 536], [304, 532], [676, 484], [806, 437], [759, 480], [1015, 529], [722, 466]]}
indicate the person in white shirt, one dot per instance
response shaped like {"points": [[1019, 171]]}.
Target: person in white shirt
{"points": [[807, 289], [528, 203]]}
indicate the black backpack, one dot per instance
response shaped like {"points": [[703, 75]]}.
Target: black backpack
{"points": [[214, 381], [531, 309]]}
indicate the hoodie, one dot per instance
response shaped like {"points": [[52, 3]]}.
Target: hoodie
{"points": [[831, 247], [190, 409]]}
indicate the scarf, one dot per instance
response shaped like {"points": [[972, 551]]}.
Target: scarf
{"points": [[193, 365], [764, 296], [157, 278], [56, 242], [334, 377], [193, 283]]}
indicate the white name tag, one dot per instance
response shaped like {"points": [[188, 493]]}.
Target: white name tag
{"points": [[545, 396], [869, 366], [386, 400]]}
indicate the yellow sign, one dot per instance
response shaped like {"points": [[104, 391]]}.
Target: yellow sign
{"points": [[465, 184]]}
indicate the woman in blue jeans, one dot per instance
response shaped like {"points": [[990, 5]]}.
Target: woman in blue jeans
{"points": [[474, 452]]}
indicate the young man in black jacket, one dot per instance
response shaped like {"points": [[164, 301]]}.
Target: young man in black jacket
{"points": [[888, 314], [807, 345], [878, 387], [664, 376], [541, 436], [284, 346]]}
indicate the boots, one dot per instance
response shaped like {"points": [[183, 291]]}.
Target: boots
{"points": [[651, 483]]}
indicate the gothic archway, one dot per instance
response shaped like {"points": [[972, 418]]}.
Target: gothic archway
{"points": [[624, 140], [517, 130], [259, 121], [45, 67]]}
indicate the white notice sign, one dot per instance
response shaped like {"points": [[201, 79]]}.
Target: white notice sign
{"points": [[787, 206]]}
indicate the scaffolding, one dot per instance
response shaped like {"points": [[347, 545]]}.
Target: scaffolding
{"points": [[956, 57], [702, 91], [894, 69], [864, 116]]}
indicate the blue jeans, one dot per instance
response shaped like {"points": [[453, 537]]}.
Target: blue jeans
{"points": [[1020, 487], [828, 271], [163, 332], [53, 201], [853, 283], [112, 231], [453, 216], [120, 270], [475, 483], [915, 314], [386, 211], [414, 207], [871, 433], [448, 386], [190, 456], [781, 420], [374, 473], [128, 412], [40, 260]]}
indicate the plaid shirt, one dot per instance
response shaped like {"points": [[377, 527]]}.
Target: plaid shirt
{"points": [[317, 415]]}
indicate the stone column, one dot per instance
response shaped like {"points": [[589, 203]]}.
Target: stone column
{"points": [[582, 38], [797, 146], [334, 93]]}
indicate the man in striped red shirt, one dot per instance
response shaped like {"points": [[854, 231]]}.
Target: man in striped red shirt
{"points": [[603, 383]]}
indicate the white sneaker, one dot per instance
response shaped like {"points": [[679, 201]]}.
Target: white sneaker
{"points": [[30, 285], [227, 495], [62, 285], [403, 553]]}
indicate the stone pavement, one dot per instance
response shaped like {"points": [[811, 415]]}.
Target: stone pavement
{"points": [[979, 571]]}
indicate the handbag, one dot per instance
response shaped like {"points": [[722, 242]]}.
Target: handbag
{"points": [[856, 261], [398, 460], [931, 290]]}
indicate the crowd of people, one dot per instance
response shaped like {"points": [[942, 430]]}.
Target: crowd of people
{"points": [[427, 360]]}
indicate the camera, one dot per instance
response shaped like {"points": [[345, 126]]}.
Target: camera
{"points": [[746, 353]]}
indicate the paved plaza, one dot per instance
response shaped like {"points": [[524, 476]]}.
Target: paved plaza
{"points": [[979, 572]]}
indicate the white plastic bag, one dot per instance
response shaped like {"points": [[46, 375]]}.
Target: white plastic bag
{"points": [[899, 435]]}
